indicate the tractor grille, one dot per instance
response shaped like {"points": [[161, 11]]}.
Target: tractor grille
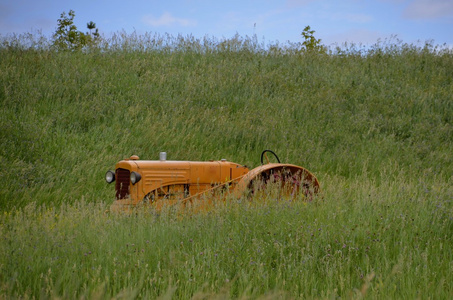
{"points": [[122, 183]]}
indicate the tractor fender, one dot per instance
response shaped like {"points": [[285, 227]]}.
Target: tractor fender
{"points": [[308, 179]]}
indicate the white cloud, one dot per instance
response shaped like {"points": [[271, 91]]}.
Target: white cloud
{"points": [[166, 19], [429, 9]]}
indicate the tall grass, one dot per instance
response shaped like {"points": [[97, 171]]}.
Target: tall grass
{"points": [[374, 125], [391, 240]]}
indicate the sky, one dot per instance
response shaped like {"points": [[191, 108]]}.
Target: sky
{"points": [[362, 22]]}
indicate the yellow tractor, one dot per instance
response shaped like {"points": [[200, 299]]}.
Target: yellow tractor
{"points": [[168, 182]]}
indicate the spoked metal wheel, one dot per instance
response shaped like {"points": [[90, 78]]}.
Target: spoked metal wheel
{"points": [[289, 181]]}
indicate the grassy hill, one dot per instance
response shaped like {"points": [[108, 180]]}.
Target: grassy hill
{"points": [[375, 126]]}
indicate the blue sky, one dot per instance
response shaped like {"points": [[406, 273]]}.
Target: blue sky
{"points": [[358, 21]]}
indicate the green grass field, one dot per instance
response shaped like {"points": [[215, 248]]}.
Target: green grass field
{"points": [[374, 125]]}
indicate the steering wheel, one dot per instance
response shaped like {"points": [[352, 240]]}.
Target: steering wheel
{"points": [[263, 154]]}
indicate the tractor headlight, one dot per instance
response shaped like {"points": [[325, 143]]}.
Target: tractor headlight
{"points": [[110, 176], [135, 177]]}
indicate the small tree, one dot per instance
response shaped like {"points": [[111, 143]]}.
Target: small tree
{"points": [[310, 42], [91, 25], [67, 37]]}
